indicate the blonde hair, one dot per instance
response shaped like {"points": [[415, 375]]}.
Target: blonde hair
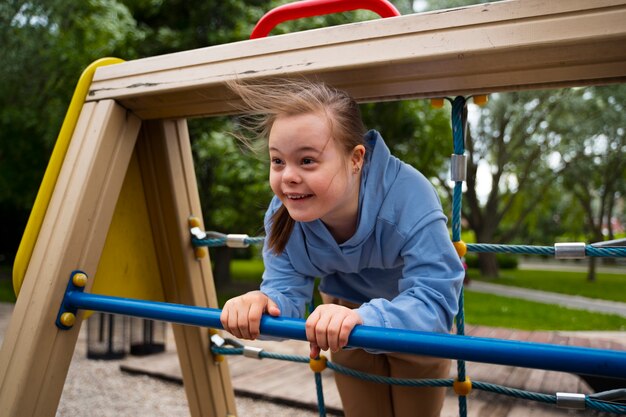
{"points": [[266, 100]]}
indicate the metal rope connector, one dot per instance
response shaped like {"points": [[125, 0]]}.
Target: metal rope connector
{"points": [[252, 352], [197, 233], [570, 400], [574, 250], [217, 340], [458, 167], [237, 241]]}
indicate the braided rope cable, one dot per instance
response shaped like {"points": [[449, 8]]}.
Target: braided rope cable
{"points": [[458, 138], [614, 252], [320, 394], [590, 403], [221, 241], [590, 250]]}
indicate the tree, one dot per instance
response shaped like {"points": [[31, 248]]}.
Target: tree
{"points": [[593, 144], [513, 138], [45, 47]]}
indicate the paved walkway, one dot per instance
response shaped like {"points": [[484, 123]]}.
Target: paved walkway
{"points": [[571, 301]]}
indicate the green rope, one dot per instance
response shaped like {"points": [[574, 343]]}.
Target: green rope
{"points": [[590, 403], [590, 250]]}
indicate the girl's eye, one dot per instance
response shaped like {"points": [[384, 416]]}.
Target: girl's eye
{"points": [[307, 161], [277, 161]]}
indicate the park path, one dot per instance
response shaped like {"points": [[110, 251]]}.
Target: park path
{"points": [[570, 301]]}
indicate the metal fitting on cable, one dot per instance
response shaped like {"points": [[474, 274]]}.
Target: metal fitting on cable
{"points": [[573, 250], [252, 352], [237, 241], [458, 167], [217, 340], [570, 400], [197, 233]]}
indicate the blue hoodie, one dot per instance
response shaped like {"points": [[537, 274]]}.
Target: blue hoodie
{"points": [[400, 264]]}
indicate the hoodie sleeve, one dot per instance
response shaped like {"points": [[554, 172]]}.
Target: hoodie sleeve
{"points": [[284, 285], [430, 284]]}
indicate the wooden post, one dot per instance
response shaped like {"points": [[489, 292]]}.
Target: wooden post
{"points": [[172, 194], [35, 355]]}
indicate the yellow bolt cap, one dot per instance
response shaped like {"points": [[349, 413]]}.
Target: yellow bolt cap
{"points": [[481, 100], [200, 253], [461, 248], [437, 103], [318, 365], [462, 387], [79, 279], [194, 222], [68, 319]]}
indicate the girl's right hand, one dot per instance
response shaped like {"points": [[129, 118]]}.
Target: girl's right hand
{"points": [[241, 316]]}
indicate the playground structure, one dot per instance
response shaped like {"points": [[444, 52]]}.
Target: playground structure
{"points": [[119, 203]]}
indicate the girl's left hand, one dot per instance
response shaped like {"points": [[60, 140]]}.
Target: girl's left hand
{"points": [[329, 326]]}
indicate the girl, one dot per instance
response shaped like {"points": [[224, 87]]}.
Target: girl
{"points": [[370, 226]]}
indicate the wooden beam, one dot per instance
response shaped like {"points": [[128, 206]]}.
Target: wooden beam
{"points": [[165, 158], [510, 45], [35, 355]]}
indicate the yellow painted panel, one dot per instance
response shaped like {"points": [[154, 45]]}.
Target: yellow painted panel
{"points": [[128, 266]]}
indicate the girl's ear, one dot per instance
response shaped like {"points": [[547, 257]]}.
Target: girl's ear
{"points": [[358, 156]]}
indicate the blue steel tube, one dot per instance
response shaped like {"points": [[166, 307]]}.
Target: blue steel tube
{"points": [[578, 360]]}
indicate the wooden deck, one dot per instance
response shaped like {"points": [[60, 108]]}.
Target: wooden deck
{"points": [[293, 383]]}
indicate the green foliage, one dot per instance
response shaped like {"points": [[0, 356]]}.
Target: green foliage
{"points": [[415, 132], [491, 310], [505, 260], [233, 184], [45, 47]]}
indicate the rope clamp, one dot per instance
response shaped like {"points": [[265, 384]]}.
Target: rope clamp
{"points": [[217, 340], [570, 400], [237, 241], [458, 167], [197, 233], [573, 250], [252, 352]]}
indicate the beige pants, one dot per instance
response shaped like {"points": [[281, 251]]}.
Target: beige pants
{"points": [[362, 398]]}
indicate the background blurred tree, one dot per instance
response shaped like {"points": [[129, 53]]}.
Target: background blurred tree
{"points": [[591, 126], [512, 138], [45, 46]]}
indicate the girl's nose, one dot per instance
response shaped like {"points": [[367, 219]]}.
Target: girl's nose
{"points": [[290, 175]]}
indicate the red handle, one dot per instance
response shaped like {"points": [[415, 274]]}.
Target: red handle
{"points": [[310, 8]]}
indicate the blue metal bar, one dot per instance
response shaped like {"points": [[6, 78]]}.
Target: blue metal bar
{"points": [[572, 359]]}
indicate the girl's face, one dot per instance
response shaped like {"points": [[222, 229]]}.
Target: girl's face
{"points": [[312, 175]]}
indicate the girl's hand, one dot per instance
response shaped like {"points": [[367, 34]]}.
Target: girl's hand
{"points": [[329, 326], [241, 316]]}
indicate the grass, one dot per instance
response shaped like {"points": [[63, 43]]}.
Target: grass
{"points": [[610, 287], [496, 311]]}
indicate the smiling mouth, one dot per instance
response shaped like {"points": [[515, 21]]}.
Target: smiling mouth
{"points": [[298, 196]]}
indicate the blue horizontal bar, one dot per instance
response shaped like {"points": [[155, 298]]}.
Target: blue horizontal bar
{"points": [[578, 360]]}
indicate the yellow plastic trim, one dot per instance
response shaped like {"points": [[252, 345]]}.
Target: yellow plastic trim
{"points": [[461, 248], [68, 319], [436, 103], [35, 220], [462, 388], [481, 100], [319, 364]]}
